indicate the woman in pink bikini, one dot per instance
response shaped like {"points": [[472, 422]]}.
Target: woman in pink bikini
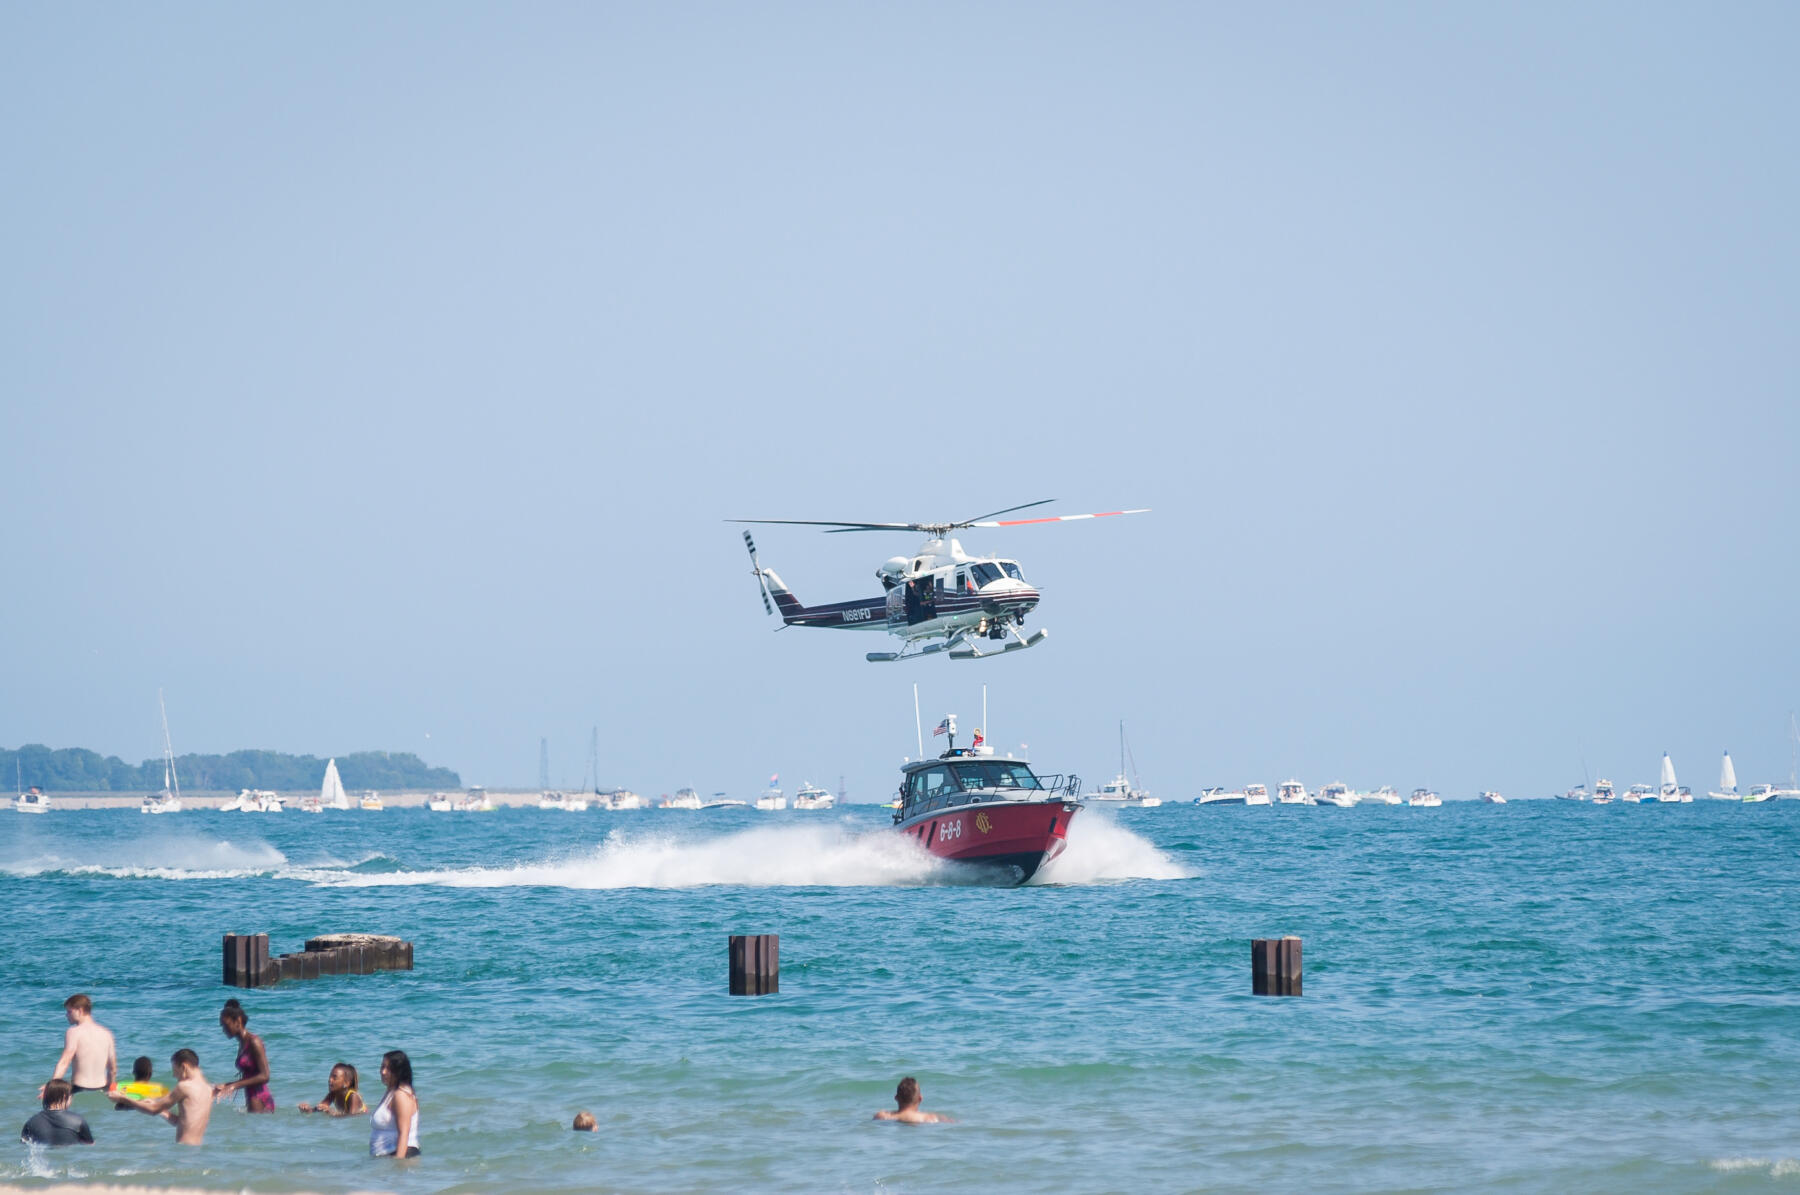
{"points": [[252, 1061]]}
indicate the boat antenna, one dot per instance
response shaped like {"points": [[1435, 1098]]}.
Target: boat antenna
{"points": [[985, 728], [918, 726]]}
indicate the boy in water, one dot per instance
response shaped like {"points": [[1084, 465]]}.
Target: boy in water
{"points": [[57, 1124], [89, 1045], [188, 1107], [142, 1086], [908, 1112], [585, 1122]]}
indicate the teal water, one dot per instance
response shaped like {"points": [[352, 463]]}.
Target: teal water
{"points": [[1537, 996]]}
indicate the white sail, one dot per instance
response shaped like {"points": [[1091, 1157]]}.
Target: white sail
{"points": [[1668, 778], [1727, 776], [331, 793]]}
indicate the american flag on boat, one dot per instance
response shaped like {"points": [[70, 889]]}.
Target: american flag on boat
{"points": [[942, 727]]}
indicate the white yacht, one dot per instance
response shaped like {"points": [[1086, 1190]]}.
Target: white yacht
{"points": [[1424, 798], [1578, 793], [1220, 796], [32, 800], [370, 802], [1292, 792], [440, 803], [475, 801], [1384, 795], [684, 798], [311, 804], [1256, 794], [1491, 798], [1639, 794], [619, 798], [1119, 790], [721, 801], [1603, 792], [254, 800], [772, 798], [562, 802], [810, 796], [169, 799], [1336, 793], [331, 793]]}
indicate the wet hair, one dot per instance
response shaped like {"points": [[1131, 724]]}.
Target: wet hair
{"points": [[235, 1012], [184, 1058], [142, 1069], [907, 1094], [585, 1123], [399, 1066], [342, 1098], [58, 1091], [79, 1003]]}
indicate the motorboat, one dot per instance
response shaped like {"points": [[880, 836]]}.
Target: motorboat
{"points": [[163, 802], [370, 802], [771, 797], [440, 803], [685, 798], [1220, 796], [476, 800], [1336, 793], [721, 801], [1728, 790], [1603, 792], [1424, 798], [1491, 798], [810, 796], [619, 798], [1256, 794], [311, 804], [1639, 794], [32, 800], [254, 800], [1578, 793], [1292, 792], [972, 806], [1384, 795], [1759, 793], [562, 802]]}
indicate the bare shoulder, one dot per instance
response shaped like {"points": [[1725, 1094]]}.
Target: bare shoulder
{"points": [[884, 1114]]}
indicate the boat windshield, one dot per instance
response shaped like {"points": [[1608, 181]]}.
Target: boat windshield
{"points": [[995, 774]]}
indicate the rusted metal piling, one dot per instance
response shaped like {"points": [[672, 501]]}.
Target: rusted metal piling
{"points": [[1275, 966], [248, 965], [755, 961]]}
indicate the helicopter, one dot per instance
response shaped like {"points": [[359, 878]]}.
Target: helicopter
{"points": [[939, 599]]}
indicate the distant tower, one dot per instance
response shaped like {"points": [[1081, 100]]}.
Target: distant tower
{"points": [[544, 765], [841, 795]]}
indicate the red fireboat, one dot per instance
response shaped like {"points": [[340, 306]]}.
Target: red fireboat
{"points": [[970, 805]]}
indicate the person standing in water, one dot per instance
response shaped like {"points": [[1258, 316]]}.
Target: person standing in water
{"points": [[394, 1125], [57, 1124], [252, 1061], [341, 1096], [908, 1099], [188, 1107], [89, 1046]]}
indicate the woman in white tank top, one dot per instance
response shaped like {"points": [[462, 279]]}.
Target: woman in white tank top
{"points": [[394, 1125]]}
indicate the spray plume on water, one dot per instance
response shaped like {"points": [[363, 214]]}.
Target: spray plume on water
{"points": [[785, 856]]}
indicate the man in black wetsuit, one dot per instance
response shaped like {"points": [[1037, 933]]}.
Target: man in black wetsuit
{"points": [[57, 1124]]}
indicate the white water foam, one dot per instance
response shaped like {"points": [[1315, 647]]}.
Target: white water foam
{"points": [[159, 858], [1100, 849], [1776, 1167]]}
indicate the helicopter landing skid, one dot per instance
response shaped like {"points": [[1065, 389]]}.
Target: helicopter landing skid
{"points": [[888, 657], [1020, 643]]}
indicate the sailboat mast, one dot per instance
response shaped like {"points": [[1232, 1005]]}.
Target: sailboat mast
{"points": [[171, 782]]}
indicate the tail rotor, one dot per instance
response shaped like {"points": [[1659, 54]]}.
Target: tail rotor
{"points": [[761, 582]]}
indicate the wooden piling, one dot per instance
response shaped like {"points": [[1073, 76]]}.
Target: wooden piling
{"points": [[755, 963], [247, 963], [1275, 966]]}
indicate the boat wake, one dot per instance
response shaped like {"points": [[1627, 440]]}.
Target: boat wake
{"points": [[814, 855]]}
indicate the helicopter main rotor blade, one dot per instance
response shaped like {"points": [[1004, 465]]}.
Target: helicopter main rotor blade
{"points": [[841, 526], [995, 513], [1105, 514]]}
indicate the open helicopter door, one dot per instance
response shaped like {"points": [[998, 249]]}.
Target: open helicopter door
{"points": [[921, 599]]}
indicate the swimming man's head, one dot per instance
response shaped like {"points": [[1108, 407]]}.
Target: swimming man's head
{"points": [[907, 1094]]}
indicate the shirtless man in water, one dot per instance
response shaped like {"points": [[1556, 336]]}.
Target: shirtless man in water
{"points": [[908, 1112], [188, 1107], [89, 1045]]}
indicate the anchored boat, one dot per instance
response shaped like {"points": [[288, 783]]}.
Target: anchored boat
{"points": [[970, 805]]}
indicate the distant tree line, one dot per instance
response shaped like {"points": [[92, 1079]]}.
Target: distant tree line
{"points": [[76, 769]]}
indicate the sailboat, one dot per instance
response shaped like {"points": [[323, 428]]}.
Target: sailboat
{"points": [[1727, 782], [331, 793], [1667, 791], [1119, 789], [169, 800]]}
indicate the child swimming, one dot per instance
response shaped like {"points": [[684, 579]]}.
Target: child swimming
{"points": [[341, 1095]]}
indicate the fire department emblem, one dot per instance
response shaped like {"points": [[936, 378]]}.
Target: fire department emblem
{"points": [[982, 823]]}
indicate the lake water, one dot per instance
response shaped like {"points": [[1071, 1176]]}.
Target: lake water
{"points": [[1536, 996]]}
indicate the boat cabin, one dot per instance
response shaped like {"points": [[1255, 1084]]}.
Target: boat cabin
{"points": [[965, 776]]}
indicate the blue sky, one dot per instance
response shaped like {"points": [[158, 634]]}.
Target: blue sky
{"points": [[370, 375]]}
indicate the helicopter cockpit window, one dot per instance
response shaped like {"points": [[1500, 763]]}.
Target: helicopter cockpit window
{"points": [[1012, 570], [983, 573], [988, 774]]}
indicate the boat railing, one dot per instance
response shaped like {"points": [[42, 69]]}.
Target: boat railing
{"points": [[1067, 788]]}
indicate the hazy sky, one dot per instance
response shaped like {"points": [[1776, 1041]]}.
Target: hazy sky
{"points": [[380, 377]]}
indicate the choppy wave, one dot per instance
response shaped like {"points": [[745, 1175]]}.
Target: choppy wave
{"points": [[158, 858], [1773, 1167]]}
